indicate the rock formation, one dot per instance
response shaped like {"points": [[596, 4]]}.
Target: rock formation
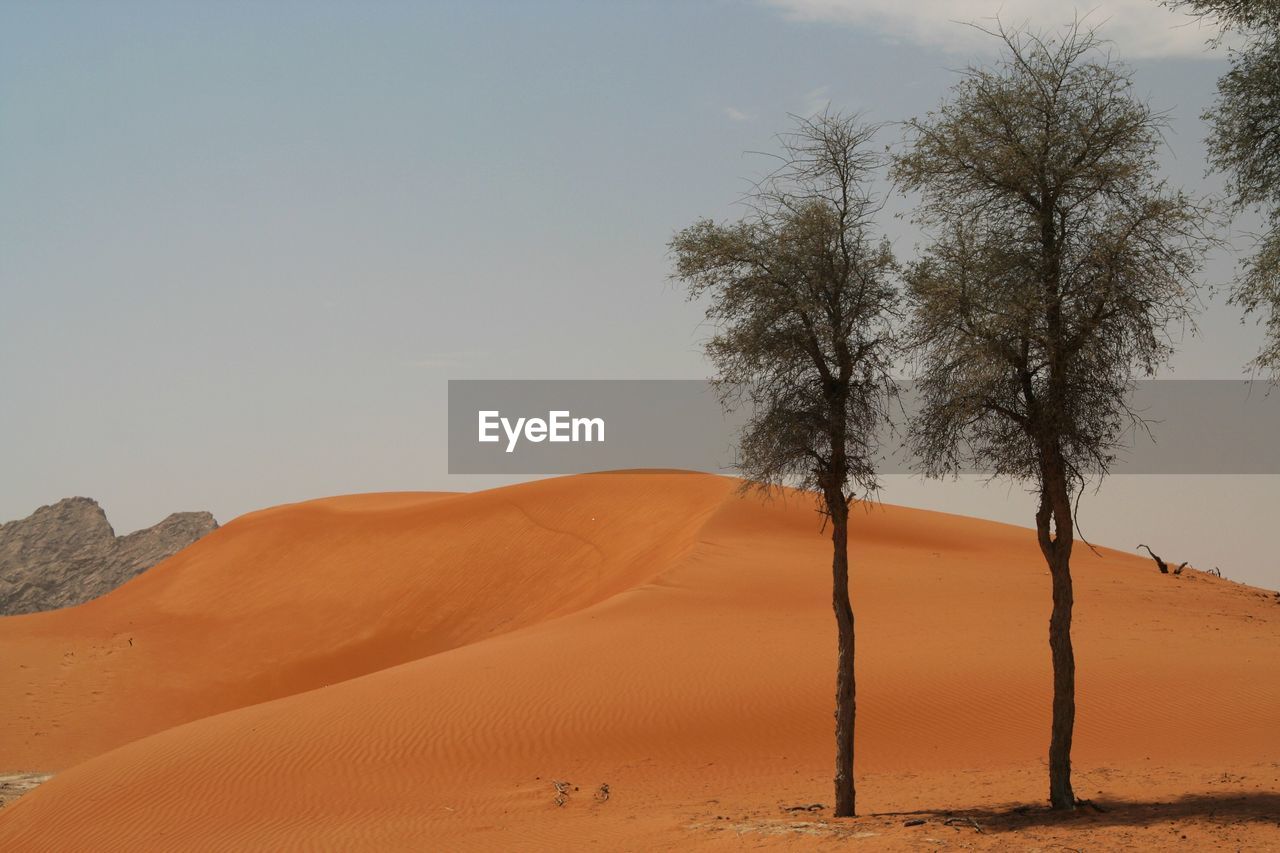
{"points": [[67, 553]]}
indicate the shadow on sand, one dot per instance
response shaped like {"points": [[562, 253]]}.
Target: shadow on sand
{"points": [[1226, 808]]}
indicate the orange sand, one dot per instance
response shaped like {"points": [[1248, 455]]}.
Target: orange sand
{"points": [[412, 671]]}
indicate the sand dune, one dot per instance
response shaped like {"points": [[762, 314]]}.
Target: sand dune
{"points": [[413, 672], [301, 596]]}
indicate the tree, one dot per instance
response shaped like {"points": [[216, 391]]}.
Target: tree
{"points": [[1059, 263], [1244, 143], [802, 301]]}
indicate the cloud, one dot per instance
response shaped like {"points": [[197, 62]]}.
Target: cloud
{"points": [[736, 114], [1138, 28]]}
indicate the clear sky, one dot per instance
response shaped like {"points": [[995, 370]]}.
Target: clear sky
{"points": [[243, 245]]}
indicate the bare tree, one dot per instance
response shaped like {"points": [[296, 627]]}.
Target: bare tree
{"points": [[802, 300], [1059, 264], [1244, 144]]}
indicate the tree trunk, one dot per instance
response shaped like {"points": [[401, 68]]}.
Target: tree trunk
{"points": [[1056, 502], [1064, 689], [845, 687]]}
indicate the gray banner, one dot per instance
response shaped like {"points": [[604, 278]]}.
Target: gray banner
{"points": [[577, 426]]}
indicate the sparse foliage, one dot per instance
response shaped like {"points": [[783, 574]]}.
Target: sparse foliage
{"points": [[1059, 265], [802, 299], [1244, 144]]}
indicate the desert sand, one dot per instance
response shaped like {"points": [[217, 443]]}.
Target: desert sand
{"points": [[418, 671]]}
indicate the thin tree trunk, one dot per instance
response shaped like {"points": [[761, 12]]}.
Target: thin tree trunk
{"points": [[846, 705], [1055, 502], [1064, 689]]}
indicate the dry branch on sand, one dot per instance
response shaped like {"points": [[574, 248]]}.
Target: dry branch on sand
{"points": [[1164, 567], [1161, 564]]}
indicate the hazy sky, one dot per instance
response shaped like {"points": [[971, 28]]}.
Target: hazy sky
{"points": [[244, 245]]}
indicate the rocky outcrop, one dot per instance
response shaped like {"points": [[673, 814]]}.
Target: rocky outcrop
{"points": [[67, 553]]}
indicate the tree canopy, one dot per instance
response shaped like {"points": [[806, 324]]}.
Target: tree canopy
{"points": [[801, 296], [1061, 263]]}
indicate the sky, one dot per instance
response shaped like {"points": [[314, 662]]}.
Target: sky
{"points": [[243, 246]]}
